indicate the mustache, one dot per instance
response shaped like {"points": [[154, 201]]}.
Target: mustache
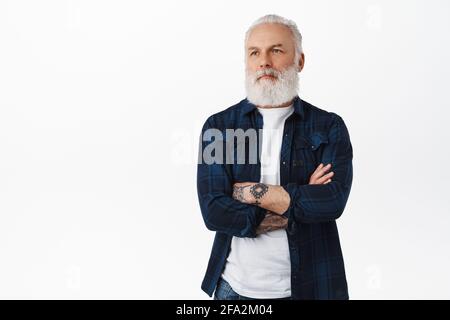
{"points": [[266, 72]]}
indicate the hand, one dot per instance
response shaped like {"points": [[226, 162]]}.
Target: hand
{"points": [[271, 222], [319, 176]]}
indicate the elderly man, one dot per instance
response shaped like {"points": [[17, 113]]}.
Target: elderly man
{"points": [[275, 219]]}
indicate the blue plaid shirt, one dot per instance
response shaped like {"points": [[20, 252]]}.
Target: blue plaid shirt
{"points": [[311, 136]]}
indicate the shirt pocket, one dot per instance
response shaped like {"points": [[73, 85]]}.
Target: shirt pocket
{"points": [[307, 155]]}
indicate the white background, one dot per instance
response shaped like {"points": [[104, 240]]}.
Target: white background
{"points": [[101, 104]]}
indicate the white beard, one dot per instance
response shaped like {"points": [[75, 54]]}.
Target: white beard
{"points": [[272, 92]]}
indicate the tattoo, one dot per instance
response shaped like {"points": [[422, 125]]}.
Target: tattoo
{"points": [[271, 222], [258, 190], [238, 193]]}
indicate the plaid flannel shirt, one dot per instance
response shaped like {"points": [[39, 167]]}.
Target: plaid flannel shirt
{"points": [[311, 136]]}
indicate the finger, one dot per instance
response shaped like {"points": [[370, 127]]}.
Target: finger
{"points": [[325, 177], [320, 171], [324, 169], [318, 168], [319, 177]]}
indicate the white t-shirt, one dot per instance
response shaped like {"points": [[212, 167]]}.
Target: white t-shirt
{"points": [[261, 267]]}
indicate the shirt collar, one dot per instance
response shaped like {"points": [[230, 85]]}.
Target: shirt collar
{"points": [[248, 107]]}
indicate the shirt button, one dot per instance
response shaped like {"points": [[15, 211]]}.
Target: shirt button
{"points": [[284, 162]]}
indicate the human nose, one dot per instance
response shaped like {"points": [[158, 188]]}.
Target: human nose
{"points": [[265, 61]]}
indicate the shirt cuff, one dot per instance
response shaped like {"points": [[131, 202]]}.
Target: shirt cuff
{"points": [[260, 214], [291, 189]]}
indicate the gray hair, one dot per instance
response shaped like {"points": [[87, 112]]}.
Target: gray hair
{"points": [[273, 18]]}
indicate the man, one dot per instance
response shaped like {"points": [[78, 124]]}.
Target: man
{"points": [[275, 218]]}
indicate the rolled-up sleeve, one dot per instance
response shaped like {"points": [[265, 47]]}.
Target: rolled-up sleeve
{"points": [[312, 203], [220, 211]]}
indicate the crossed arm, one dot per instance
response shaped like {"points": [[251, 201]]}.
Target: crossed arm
{"points": [[239, 209], [275, 199]]}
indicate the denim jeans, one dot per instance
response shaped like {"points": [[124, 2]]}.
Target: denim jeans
{"points": [[225, 292]]}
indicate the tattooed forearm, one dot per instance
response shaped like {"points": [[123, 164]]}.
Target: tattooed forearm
{"points": [[251, 193], [258, 190], [238, 192], [271, 197]]}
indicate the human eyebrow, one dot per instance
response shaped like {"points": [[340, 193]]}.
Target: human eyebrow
{"points": [[276, 45], [271, 47]]}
